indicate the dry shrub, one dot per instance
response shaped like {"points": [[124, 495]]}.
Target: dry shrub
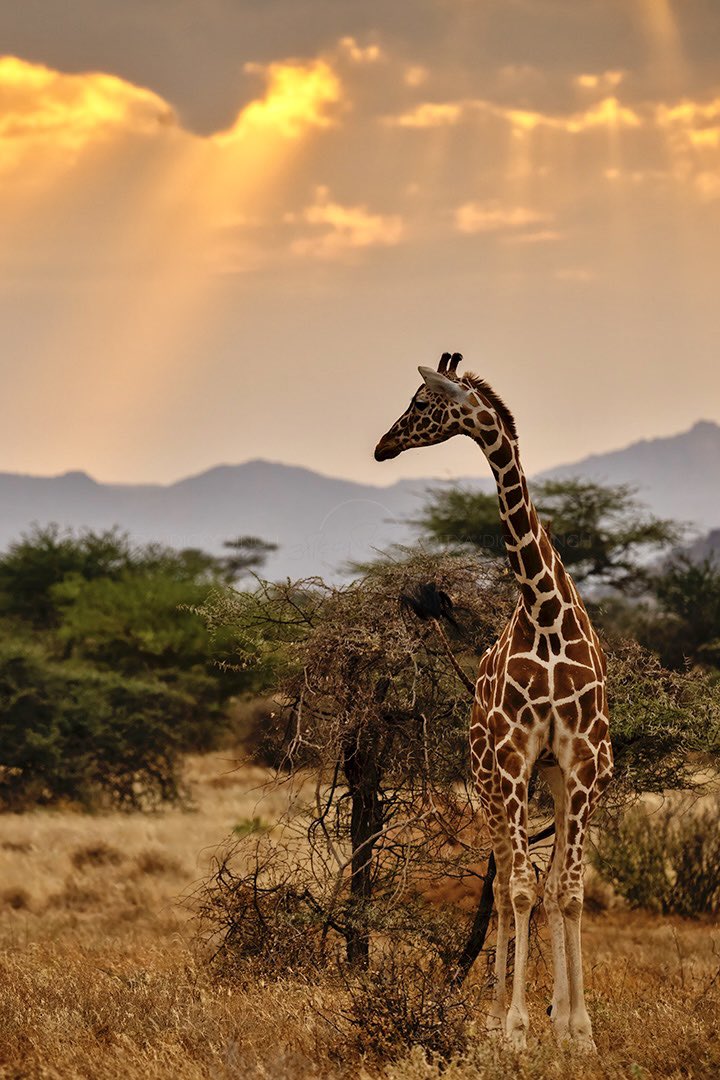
{"points": [[17, 899], [22, 847], [267, 921], [156, 862], [259, 725], [75, 897], [96, 854], [665, 860], [406, 1002]]}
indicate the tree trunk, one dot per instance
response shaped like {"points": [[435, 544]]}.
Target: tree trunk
{"points": [[480, 925], [363, 777]]}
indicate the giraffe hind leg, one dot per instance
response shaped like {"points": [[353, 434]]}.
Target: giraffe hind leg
{"points": [[500, 840], [523, 889], [560, 1008], [585, 781]]}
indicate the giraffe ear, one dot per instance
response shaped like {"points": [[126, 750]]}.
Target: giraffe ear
{"points": [[440, 384]]}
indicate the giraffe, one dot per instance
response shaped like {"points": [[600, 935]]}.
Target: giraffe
{"points": [[540, 701]]}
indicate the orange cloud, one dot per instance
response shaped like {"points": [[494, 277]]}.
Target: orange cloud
{"points": [[429, 115], [298, 97], [474, 217], [605, 80], [361, 54], [608, 112], [37, 102], [345, 228]]}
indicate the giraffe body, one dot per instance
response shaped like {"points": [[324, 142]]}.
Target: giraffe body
{"points": [[540, 700]]}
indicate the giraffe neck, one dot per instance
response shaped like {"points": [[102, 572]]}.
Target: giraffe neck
{"points": [[537, 567]]}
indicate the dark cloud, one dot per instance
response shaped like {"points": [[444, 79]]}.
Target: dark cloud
{"points": [[192, 53]]}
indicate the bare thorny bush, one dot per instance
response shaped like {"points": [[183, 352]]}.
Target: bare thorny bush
{"points": [[371, 739]]}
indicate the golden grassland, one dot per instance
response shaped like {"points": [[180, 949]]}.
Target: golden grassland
{"points": [[101, 976]]}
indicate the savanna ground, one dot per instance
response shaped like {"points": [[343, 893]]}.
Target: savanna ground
{"points": [[101, 975]]}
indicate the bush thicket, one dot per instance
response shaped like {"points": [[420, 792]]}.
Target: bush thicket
{"points": [[106, 673], [70, 733], [664, 859]]}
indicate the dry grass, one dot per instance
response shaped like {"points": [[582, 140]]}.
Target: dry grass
{"points": [[99, 977]]}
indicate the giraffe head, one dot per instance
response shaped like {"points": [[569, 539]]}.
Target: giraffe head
{"points": [[448, 404]]}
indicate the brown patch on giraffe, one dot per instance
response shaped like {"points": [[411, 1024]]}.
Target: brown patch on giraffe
{"points": [[507, 786], [530, 560], [546, 583], [513, 700], [549, 611], [502, 456], [510, 762], [555, 643], [579, 652], [533, 714], [499, 726], [569, 680], [588, 701], [512, 499], [520, 520], [569, 627], [542, 649], [567, 711], [597, 731], [487, 760], [520, 739], [587, 770], [530, 675]]}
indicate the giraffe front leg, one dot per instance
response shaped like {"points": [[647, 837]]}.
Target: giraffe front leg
{"points": [[581, 795], [560, 1008], [494, 810], [496, 1018], [522, 895]]}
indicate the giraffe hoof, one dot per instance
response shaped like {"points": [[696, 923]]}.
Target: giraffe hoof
{"points": [[583, 1043], [517, 1039], [495, 1025]]}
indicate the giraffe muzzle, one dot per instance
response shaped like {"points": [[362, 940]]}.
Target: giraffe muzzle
{"points": [[385, 450]]}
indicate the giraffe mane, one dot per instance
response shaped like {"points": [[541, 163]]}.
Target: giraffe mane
{"points": [[493, 399]]}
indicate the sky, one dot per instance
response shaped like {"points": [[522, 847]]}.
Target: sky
{"points": [[232, 229]]}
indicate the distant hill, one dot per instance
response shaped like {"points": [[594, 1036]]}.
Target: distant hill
{"points": [[678, 476], [322, 522]]}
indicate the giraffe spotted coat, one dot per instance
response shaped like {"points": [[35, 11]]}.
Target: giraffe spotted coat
{"points": [[540, 701]]}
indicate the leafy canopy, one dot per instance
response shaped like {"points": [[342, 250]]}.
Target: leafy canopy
{"points": [[601, 531]]}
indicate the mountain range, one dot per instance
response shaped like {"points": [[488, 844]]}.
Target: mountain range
{"points": [[320, 523]]}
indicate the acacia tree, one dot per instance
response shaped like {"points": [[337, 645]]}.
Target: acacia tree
{"points": [[374, 705]]}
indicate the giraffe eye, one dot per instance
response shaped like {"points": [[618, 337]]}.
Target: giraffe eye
{"points": [[421, 403]]}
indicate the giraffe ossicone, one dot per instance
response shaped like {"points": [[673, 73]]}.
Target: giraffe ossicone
{"points": [[540, 701]]}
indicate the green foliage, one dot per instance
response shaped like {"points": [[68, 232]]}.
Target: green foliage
{"points": [[122, 673], [70, 733], [248, 826], [665, 860], [599, 530], [135, 623], [688, 624], [247, 555], [44, 557], [455, 517], [663, 723]]}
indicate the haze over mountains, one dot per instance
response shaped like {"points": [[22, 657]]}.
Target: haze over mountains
{"points": [[319, 522]]}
